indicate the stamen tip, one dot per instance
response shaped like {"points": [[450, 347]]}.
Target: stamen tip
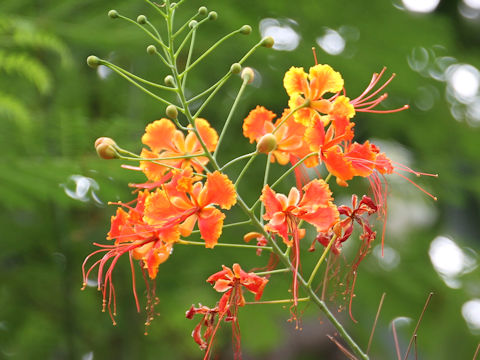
{"points": [[406, 106], [435, 198]]}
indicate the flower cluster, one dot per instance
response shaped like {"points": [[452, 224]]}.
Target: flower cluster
{"points": [[187, 187]]}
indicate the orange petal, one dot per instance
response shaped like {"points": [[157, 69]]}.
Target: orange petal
{"points": [[342, 107], [254, 123], [315, 134], [159, 134], [323, 217], [362, 158], [158, 208], [324, 79], [337, 164], [304, 115], [210, 223], [219, 190], [295, 81], [316, 193], [272, 204], [152, 171], [207, 133]]}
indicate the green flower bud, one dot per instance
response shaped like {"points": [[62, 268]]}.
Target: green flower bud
{"points": [[212, 15], [142, 19], [169, 80], [267, 143], [202, 10], [93, 61], [192, 24], [248, 74], [105, 148], [268, 42], [151, 49], [245, 29], [113, 14], [235, 68], [171, 111]]}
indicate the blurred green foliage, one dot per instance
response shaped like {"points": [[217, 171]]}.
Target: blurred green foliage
{"points": [[53, 107]]}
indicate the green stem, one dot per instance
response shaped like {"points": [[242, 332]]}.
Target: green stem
{"points": [[189, 56], [230, 115], [206, 53], [285, 301], [320, 261], [305, 104], [148, 92], [244, 170], [242, 246], [231, 162], [278, 271], [265, 182]]}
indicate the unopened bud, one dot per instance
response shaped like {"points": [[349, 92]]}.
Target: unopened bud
{"points": [[142, 19], [212, 15], [93, 61], [105, 147], [235, 68], [202, 10], [248, 75], [192, 24], [113, 14], [268, 42], [151, 49], [169, 80], [246, 29], [267, 143], [171, 111]]}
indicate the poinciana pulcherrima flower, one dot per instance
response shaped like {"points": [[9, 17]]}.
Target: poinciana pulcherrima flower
{"points": [[165, 140], [231, 282], [284, 213], [151, 246], [207, 324], [184, 202]]}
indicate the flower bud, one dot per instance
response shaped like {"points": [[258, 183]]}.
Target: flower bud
{"points": [[142, 19], [151, 49], [235, 68], [169, 80], [246, 29], [113, 14], [202, 10], [105, 148], [171, 111], [268, 42], [248, 74], [93, 61], [267, 143], [192, 24], [212, 15]]}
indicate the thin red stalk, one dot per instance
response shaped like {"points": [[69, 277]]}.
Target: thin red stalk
{"points": [[351, 296], [342, 348], [395, 340], [375, 322], [416, 185], [134, 287], [476, 352], [418, 324]]}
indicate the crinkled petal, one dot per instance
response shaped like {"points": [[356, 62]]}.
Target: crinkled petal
{"points": [[219, 190], [272, 204], [323, 217], [295, 81], [254, 123], [207, 133], [324, 79], [159, 134], [210, 223], [316, 193]]}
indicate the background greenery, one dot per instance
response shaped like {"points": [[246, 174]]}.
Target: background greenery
{"points": [[53, 107]]}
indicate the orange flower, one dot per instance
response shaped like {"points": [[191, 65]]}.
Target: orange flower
{"points": [[284, 213], [165, 140], [310, 88], [315, 207], [183, 202], [152, 246], [289, 137], [230, 283]]}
